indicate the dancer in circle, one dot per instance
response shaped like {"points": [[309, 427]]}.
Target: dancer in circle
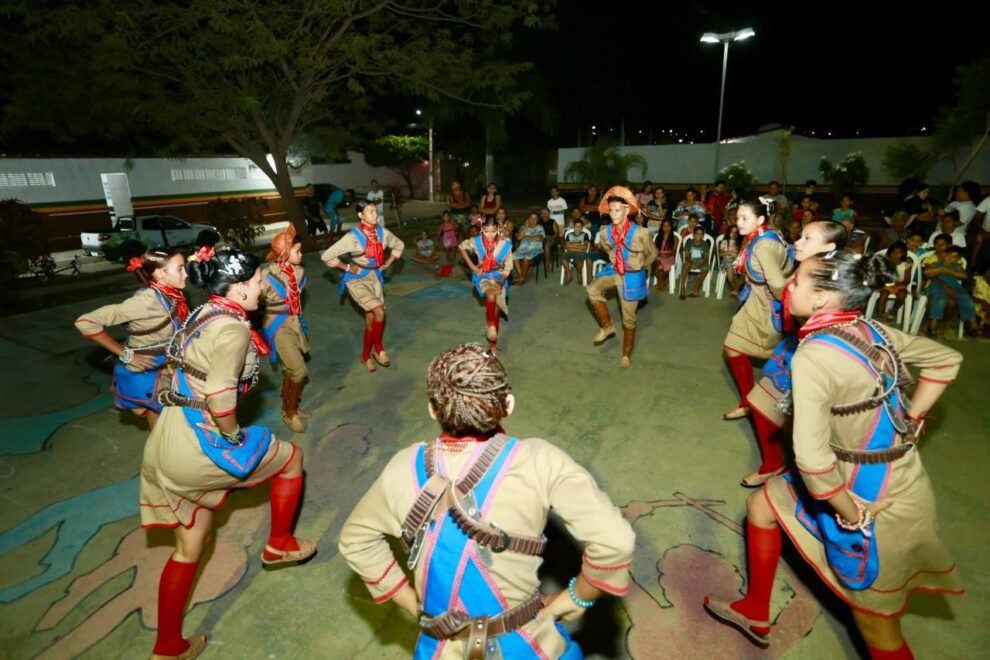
{"points": [[476, 591], [491, 270], [198, 452], [770, 398], [152, 314], [630, 252], [859, 507], [765, 260], [282, 284], [365, 245]]}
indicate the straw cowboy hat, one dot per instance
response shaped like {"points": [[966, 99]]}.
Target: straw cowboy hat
{"points": [[281, 245], [623, 192]]}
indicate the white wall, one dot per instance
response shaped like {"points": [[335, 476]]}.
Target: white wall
{"points": [[694, 163], [358, 174]]}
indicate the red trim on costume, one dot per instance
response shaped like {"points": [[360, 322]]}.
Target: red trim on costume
{"points": [[224, 413], [816, 472], [827, 494], [602, 567], [381, 599], [745, 339], [226, 389], [388, 570], [914, 575], [936, 380], [604, 586]]}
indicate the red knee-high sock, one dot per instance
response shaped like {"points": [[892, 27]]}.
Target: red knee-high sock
{"points": [[377, 330], [762, 553], [368, 340], [742, 372], [491, 312], [903, 653], [173, 592], [769, 436], [284, 502]]}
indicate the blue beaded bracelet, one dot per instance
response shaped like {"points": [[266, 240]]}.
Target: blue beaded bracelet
{"points": [[577, 601]]}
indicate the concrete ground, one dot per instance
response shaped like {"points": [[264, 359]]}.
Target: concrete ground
{"points": [[79, 576]]}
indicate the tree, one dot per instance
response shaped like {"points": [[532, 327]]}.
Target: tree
{"points": [[967, 123], [239, 221], [903, 160], [23, 240], [603, 164], [847, 177], [399, 152], [738, 176], [201, 75]]}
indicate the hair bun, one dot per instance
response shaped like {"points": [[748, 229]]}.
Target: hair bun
{"points": [[200, 272], [878, 272]]}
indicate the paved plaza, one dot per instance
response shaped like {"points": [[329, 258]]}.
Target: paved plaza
{"points": [[79, 576]]}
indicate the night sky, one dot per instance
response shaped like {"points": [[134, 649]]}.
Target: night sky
{"points": [[877, 68]]}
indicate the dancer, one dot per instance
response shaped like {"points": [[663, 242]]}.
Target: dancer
{"points": [[860, 506], [630, 251], [282, 285], [491, 268], [765, 260], [770, 399], [152, 315], [365, 245], [198, 452], [476, 589]]}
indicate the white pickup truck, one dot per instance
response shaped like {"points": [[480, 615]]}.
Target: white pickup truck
{"points": [[131, 236]]}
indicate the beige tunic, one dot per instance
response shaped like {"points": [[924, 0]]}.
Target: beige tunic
{"points": [[751, 331], [539, 477], [911, 554], [642, 253], [291, 343], [366, 291], [141, 312], [177, 478], [468, 245]]}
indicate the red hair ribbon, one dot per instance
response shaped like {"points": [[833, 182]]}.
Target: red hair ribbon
{"points": [[204, 253], [134, 264]]}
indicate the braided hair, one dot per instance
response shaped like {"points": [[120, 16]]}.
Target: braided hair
{"points": [[468, 389]]}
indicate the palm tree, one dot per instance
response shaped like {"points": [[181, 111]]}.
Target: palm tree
{"points": [[604, 164]]}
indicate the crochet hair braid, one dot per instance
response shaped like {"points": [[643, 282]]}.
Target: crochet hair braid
{"points": [[467, 387]]}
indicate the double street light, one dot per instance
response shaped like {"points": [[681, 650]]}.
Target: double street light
{"points": [[724, 38], [419, 113]]}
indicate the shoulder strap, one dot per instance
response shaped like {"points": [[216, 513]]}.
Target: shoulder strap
{"points": [[161, 326], [360, 237], [479, 246]]}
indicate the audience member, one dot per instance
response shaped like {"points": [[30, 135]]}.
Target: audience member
{"points": [[425, 253], [530, 237], [695, 257]]}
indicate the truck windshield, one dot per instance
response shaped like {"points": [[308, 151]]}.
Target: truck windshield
{"points": [[125, 224]]}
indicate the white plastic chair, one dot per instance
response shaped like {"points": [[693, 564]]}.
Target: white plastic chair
{"points": [[921, 304], [672, 277], [584, 271], [597, 266], [720, 279], [904, 315], [707, 285]]}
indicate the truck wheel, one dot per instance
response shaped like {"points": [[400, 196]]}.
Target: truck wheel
{"points": [[111, 253], [131, 249], [207, 237]]}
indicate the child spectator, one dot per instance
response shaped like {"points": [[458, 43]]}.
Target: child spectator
{"points": [[897, 254], [475, 217], [687, 231], [981, 298], [727, 253], [857, 237], [694, 257], [945, 275], [845, 210], [425, 250], [577, 244], [666, 242]]}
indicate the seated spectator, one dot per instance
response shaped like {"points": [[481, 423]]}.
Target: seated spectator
{"points": [[810, 188], [981, 237], [687, 230], [945, 275], [981, 298], [857, 237], [655, 211], [690, 205], [530, 237], [557, 206], [845, 210], [780, 201], [553, 231], [805, 211], [916, 243], [716, 205], [577, 246], [898, 230], [666, 242], [897, 254], [918, 207], [425, 250], [506, 229], [793, 232], [475, 216], [727, 253], [694, 257], [950, 225], [645, 194], [736, 199], [964, 205]]}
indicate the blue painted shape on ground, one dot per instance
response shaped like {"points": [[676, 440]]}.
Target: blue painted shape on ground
{"points": [[443, 290], [27, 435], [78, 519], [403, 279]]}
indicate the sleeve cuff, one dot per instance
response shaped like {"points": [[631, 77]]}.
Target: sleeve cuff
{"points": [[387, 584], [822, 484]]}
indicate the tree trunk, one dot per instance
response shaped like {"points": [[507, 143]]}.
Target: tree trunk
{"points": [[291, 203], [974, 152], [406, 173]]}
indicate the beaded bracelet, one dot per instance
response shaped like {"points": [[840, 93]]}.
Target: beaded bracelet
{"points": [[577, 601], [127, 356], [862, 524], [235, 438]]}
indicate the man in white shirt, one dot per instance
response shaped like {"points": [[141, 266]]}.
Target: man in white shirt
{"points": [[557, 206], [950, 226], [982, 215], [377, 195], [965, 192]]}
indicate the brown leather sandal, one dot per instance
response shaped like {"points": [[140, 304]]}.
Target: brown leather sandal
{"points": [[306, 550], [721, 610], [196, 646]]}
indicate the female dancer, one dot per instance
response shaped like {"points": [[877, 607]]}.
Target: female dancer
{"points": [[198, 452], [152, 315], [491, 272], [766, 262], [365, 244], [282, 285], [476, 590], [770, 399], [859, 507]]}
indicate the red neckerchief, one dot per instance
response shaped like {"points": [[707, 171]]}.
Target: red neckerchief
{"points": [[488, 264], [291, 288], [785, 306], [373, 248], [739, 265], [620, 241], [821, 320], [229, 305], [176, 296]]}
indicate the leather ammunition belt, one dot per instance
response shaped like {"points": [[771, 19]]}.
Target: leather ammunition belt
{"points": [[170, 398], [150, 331], [874, 457], [458, 625]]}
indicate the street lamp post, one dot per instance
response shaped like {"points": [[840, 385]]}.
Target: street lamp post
{"points": [[724, 38], [419, 113]]}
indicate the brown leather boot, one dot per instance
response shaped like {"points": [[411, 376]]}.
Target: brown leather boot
{"points": [[628, 340], [290, 405], [604, 320]]}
